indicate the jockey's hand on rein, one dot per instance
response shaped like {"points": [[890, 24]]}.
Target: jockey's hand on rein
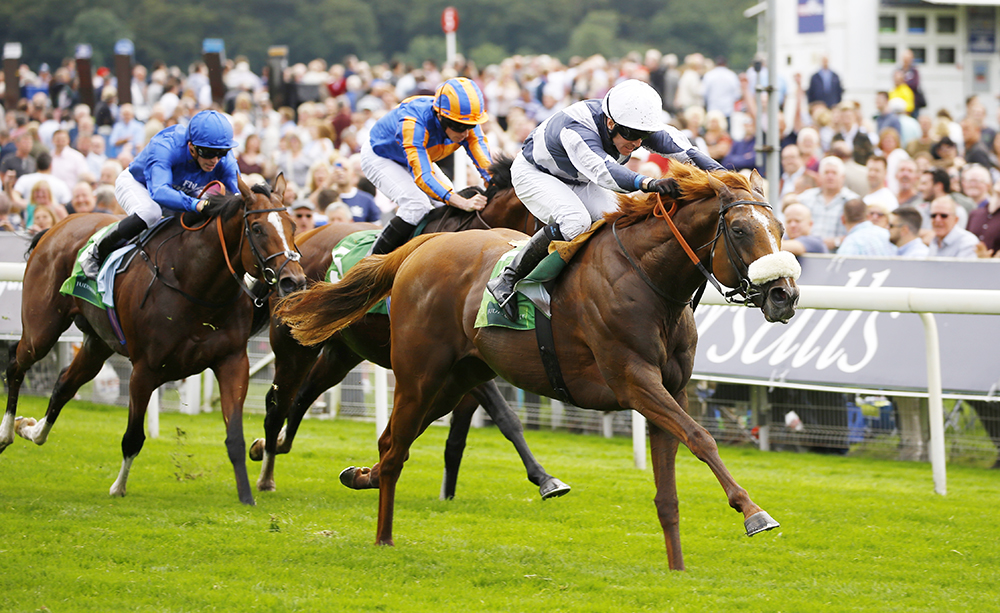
{"points": [[667, 187]]}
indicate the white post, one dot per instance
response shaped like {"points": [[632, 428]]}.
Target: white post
{"points": [[478, 419], [191, 395], [558, 411], [450, 49], [639, 440], [607, 425], [153, 414], [208, 384], [934, 404], [381, 401]]}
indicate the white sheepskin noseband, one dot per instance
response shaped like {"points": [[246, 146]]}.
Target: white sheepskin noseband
{"points": [[774, 266]]}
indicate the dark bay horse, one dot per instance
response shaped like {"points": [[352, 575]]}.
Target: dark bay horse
{"points": [[182, 307], [623, 327], [303, 373]]}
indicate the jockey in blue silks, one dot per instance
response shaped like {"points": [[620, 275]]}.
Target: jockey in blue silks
{"points": [[170, 172], [571, 165], [405, 143]]}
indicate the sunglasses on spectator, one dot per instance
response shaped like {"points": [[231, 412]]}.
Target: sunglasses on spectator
{"points": [[941, 215], [631, 133], [303, 215], [209, 153]]}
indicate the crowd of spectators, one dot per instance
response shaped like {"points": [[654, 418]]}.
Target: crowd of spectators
{"points": [[905, 158], [909, 181]]}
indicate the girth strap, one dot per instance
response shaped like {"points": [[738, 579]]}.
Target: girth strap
{"points": [[547, 347]]}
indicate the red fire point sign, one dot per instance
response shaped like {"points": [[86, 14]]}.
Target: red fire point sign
{"points": [[449, 20]]}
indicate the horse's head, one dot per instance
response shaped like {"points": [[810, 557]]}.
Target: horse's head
{"points": [[747, 254], [269, 252]]}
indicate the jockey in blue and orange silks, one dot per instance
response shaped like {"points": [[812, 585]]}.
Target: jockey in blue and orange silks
{"points": [[405, 144]]}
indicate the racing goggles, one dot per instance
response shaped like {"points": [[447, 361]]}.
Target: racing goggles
{"points": [[209, 153], [631, 133], [455, 126]]}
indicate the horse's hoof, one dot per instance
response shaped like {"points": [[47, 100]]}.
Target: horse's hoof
{"points": [[20, 423], [553, 488], [266, 486], [257, 450], [759, 522]]}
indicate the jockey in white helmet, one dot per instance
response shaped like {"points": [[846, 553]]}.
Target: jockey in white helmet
{"points": [[572, 164]]}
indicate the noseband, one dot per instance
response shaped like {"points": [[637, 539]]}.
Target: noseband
{"points": [[748, 293], [271, 276]]}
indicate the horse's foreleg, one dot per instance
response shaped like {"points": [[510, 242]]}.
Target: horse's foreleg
{"points": [[233, 375], [488, 394], [663, 446], [140, 387], [675, 420]]}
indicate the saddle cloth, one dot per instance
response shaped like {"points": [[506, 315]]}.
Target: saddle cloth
{"points": [[533, 290]]}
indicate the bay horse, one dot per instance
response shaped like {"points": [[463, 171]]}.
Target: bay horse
{"points": [[622, 324], [303, 373], [182, 305]]}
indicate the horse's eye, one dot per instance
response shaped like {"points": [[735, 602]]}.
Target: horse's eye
{"points": [[257, 229]]}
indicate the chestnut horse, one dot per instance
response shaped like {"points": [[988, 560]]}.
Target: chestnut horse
{"points": [[182, 305], [623, 327], [302, 373]]}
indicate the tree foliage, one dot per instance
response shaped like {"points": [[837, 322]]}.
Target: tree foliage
{"points": [[377, 29]]}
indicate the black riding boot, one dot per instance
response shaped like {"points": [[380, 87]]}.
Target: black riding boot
{"points": [[127, 229], [524, 262], [393, 236]]}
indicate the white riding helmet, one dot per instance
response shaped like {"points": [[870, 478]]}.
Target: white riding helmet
{"points": [[634, 104]]}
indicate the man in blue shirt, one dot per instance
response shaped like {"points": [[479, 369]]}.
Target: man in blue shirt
{"points": [[170, 173]]}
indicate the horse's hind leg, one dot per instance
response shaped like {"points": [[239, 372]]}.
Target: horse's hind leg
{"points": [[83, 368], [37, 339], [488, 394], [141, 386], [663, 446]]}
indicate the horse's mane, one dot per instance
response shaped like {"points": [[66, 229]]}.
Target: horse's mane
{"points": [[226, 205], [500, 177], [694, 186]]}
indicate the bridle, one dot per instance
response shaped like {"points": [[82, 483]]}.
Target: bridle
{"points": [[271, 276], [747, 293]]}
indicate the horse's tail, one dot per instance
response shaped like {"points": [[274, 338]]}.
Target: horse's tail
{"points": [[324, 309]]}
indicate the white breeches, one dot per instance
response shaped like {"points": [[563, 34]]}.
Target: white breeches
{"points": [[134, 198], [396, 182]]}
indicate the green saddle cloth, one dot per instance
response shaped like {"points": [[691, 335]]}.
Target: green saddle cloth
{"points": [[349, 252], [528, 289], [78, 285]]}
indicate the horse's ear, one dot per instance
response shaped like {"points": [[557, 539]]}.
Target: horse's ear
{"points": [[721, 189], [279, 186], [244, 189], [757, 183]]}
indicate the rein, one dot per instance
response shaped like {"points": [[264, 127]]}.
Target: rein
{"points": [[744, 295], [270, 276]]}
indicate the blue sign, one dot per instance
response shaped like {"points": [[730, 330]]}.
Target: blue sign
{"points": [[84, 52], [811, 16], [124, 47], [213, 45]]}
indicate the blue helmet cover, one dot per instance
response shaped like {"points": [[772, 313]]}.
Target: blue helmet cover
{"points": [[211, 129]]}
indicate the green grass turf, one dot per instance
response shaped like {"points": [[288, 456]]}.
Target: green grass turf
{"points": [[857, 533]]}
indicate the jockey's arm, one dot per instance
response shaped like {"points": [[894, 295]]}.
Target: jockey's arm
{"points": [[479, 151], [587, 155], [159, 183], [422, 169], [672, 143]]}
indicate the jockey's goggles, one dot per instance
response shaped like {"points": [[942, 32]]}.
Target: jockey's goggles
{"points": [[455, 126], [209, 153], [631, 133]]}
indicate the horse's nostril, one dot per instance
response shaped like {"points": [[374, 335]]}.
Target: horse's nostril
{"points": [[287, 285]]}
